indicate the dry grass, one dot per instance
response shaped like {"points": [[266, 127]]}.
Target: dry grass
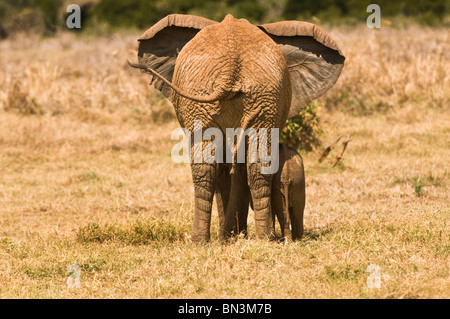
{"points": [[86, 178], [390, 68]]}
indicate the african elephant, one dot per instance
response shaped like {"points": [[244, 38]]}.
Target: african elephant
{"points": [[232, 75], [288, 193]]}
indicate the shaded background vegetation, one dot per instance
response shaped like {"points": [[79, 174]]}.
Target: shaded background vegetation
{"points": [[47, 16]]}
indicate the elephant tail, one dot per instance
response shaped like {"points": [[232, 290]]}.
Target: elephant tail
{"points": [[202, 99]]}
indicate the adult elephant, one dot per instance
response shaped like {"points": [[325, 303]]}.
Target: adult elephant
{"points": [[233, 74]]}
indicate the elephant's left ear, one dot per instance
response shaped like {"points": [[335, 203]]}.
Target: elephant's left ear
{"points": [[313, 58], [159, 45]]}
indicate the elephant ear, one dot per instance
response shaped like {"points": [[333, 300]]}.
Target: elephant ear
{"points": [[313, 58], [159, 46]]}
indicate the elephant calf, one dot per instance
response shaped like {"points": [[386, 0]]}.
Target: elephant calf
{"points": [[288, 193]]}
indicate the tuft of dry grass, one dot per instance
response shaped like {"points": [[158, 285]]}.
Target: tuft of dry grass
{"points": [[86, 178]]}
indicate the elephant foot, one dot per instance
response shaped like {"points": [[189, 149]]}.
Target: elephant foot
{"points": [[198, 240]]}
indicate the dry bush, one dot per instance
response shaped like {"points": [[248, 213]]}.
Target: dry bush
{"points": [[20, 101]]}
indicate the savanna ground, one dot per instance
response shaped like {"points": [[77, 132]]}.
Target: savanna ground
{"points": [[86, 178]]}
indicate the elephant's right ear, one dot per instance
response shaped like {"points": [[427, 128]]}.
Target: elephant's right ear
{"points": [[313, 58], [159, 46]]}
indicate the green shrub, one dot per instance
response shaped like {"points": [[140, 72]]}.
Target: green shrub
{"points": [[302, 132]]}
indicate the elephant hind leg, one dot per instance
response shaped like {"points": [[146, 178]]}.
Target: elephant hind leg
{"points": [[260, 188], [288, 232], [296, 213], [236, 211], [223, 189], [204, 178], [278, 209]]}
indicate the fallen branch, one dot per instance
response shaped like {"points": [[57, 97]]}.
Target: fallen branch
{"points": [[328, 149], [344, 146]]}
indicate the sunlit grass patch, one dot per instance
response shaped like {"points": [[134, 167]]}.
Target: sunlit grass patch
{"points": [[138, 232]]}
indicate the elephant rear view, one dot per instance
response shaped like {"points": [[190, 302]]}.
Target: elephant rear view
{"points": [[234, 75]]}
